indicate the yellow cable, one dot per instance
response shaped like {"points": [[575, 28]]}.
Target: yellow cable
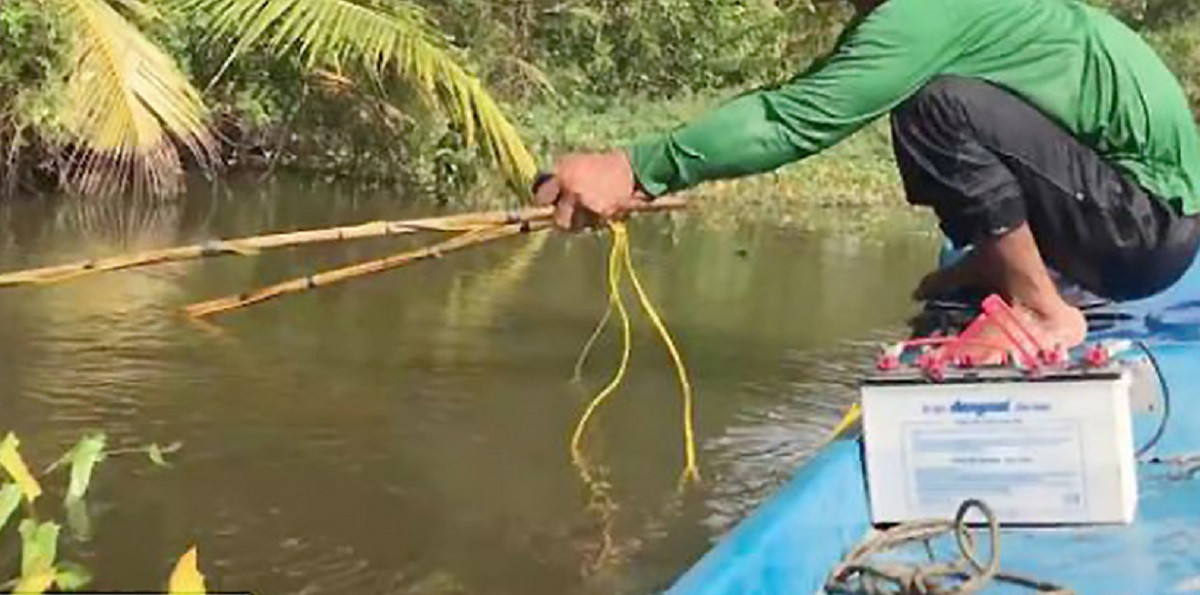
{"points": [[849, 419], [615, 302], [601, 502], [591, 342], [691, 470], [619, 261]]}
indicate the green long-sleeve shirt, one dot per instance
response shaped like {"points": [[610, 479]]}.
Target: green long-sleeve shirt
{"points": [[1078, 64]]}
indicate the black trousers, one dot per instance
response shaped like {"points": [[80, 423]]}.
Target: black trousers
{"points": [[988, 161]]}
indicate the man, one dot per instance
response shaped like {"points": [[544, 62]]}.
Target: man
{"points": [[1041, 132]]}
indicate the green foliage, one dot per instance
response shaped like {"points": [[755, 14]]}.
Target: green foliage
{"points": [[126, 125], [40, 568], [111, 127], [156, 455], [1173, 28], [33, 43], [1150, 14], [72, 576], [377, 42], [32, 47], [10, 498], [595, 123], [326, 86], [39, 547], [83, 458], [632, 68], [640, 47], [1179, 44], [79, 521]]}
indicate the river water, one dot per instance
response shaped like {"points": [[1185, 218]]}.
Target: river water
{"points": [[408, 432]]}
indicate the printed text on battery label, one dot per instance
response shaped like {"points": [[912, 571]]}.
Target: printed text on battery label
{"points": [[1040, 462]]}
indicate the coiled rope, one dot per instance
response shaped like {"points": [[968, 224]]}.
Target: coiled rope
{"points": [[862, 573], [620, 265]]}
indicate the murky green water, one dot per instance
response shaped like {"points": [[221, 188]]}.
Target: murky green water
{"points": [[407, 433]]}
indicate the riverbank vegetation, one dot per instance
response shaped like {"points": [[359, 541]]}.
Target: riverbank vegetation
{"points": [[433, 98]]}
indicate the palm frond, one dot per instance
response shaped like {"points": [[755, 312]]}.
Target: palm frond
{"points": [[382, 40], [127, 105]]}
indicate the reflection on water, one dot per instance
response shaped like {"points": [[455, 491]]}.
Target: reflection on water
{"points": [[408, 432]]}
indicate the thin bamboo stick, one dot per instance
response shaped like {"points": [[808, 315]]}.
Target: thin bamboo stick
{"points": [[253, 244], [323, 279]]}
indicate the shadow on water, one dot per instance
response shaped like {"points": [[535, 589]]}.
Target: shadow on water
{"points": [[408, 432]]}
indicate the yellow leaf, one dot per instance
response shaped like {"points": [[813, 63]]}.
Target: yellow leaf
{"points": [[35, 584], [186, 578], [127, 104], [10, 461]]}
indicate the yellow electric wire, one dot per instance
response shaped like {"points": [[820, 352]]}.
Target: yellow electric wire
{"points": [[615, 302], [620, 261], [591, 342], [691, 470], [600, 501], [852, 415]]}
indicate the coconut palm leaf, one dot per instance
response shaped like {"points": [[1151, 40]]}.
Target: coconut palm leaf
{"points": [[382, 40], [127, 104]]}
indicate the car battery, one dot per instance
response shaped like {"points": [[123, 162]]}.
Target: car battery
{"points": [[1052, 449], [1043, 437]]}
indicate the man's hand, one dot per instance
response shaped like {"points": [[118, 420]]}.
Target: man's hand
{"points": [[590, 187]]}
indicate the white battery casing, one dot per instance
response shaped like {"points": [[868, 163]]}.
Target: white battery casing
{"points": [[1052, 451]]}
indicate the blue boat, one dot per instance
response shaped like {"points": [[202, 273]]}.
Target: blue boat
{"points": [[793, 542]]}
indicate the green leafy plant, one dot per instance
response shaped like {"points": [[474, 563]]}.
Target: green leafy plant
{"points": [[124, 108], [376, 41], [40, 567]]}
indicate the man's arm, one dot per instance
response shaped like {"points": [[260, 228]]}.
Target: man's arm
{"points": [[886, 59], [879, 63]]}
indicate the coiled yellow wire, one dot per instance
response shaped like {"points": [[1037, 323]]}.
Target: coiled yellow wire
{"points": [[620, 263]]}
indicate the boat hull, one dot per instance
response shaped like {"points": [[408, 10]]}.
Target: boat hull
{"points": [[790, 544]]}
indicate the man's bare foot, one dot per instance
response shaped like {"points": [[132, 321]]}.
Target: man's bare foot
{"points": [[1011, 265], [1064, 328]]}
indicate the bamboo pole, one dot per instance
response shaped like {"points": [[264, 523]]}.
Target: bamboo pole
{"points": [[323, 279], [251, 245]]}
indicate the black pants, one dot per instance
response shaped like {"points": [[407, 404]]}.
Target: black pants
{"points": [[988, 161]]}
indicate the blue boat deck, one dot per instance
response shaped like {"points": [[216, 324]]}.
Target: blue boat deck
{"points": [[794, 540]]}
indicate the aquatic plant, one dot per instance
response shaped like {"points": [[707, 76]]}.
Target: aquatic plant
{"points": [[41, 568]]}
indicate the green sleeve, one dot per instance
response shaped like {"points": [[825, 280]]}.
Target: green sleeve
{"points": [[883, 60]]}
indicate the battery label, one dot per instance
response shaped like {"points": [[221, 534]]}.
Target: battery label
{"points": [[1035, 465]]}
